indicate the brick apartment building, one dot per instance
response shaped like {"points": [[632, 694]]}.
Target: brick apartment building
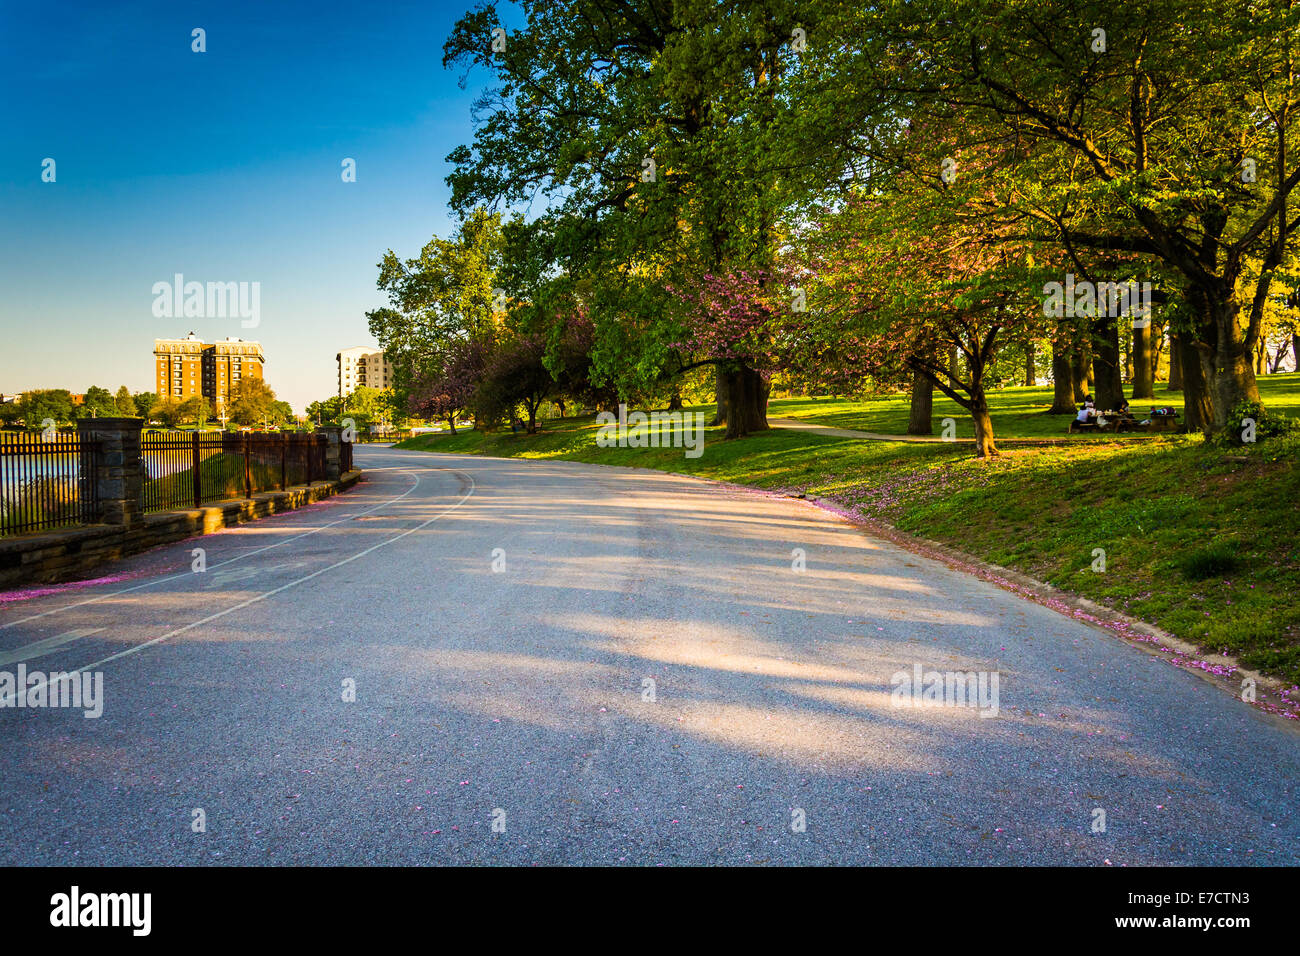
{"points": [[184, 368]]}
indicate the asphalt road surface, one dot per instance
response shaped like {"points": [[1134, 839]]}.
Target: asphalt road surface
{"points": [[563, 663]]}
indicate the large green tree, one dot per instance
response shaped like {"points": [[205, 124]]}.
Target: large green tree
{"points": [[251, 401], [445, 294], [1156, 129], [644, 139]]}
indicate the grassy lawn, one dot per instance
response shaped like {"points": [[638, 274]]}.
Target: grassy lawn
{"points": [[1017, 412], [1197, 541]]}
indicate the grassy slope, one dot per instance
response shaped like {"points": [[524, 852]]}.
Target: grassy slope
{"points": [[1017, 412], [1197, 543]]}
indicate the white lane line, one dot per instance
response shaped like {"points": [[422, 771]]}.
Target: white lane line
{"points": [[284, 587], [173, 577], [38, 648]]}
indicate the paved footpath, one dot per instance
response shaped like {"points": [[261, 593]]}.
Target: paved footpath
{"points": [[613, 666]]}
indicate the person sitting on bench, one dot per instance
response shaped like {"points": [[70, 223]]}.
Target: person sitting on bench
{"points": [[1087, 411]]}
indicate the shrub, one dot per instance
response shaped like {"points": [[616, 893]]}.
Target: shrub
{"points": [[1267, 425]]}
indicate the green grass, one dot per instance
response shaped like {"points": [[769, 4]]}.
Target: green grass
{"points": [[1202, 542], [1016, 412], [222, 477]]}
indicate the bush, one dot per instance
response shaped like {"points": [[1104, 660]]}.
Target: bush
{"points": [[1267, 425]]}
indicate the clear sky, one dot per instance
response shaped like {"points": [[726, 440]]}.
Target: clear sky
{"points": [[223, 166]]}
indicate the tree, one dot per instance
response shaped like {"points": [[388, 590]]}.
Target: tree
{"points": [[447, 293], [144, 401], [98, 403], [125, 403], [326, 411], [364, 403], [515, 374], [447, 391], [1158, 129], [651, 133], [194, 409], [281, 413], [251, 400], [167, 411], [41, 404], [919, 278]]}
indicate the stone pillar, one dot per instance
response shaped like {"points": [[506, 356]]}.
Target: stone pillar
{"points": [[333, 442], [119, 475]]}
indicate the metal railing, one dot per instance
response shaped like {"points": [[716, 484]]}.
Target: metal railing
{"points": [[392, 435], [46, 482], [189, 469]]}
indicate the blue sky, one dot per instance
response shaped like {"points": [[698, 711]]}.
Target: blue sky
{"points": [[223, 166]]}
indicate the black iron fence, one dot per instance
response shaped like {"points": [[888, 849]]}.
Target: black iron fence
{"points": [[395, 434], [46, 481], [189, 469], [50, 479]]}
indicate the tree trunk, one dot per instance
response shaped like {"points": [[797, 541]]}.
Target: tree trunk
{"points": [[1157, 347], [1143, 376], [451, 422], [920, 420], [674, 403], [1230, 371], [1081, 359], [1198, 408], [979, 413], [954, 361], [745, 394], [1232, 381], [1295, 350], [1063, 386], [720, 397], [1175, 364], [1109, 387], [1030, 377]]}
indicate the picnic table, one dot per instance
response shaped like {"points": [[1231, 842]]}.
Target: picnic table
{"points": [[1156, 421]]}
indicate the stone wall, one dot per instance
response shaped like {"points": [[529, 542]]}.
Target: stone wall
{"points": [[70, 553]]}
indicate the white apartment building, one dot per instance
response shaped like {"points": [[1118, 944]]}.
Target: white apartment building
{"points": [[362, 366]]}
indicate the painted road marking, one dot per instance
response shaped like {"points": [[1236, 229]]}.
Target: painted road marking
{"points": [[173, 577], [284, 587], [40, 648]]}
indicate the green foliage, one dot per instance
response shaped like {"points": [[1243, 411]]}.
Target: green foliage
{"points": [[99, 403], [194, 409], [251, 401], [166, 411], [144, 401], [1267, 425], [445, 294], [53, 403]]}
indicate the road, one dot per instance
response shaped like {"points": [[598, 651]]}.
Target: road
{"points": [[501, 619]]}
